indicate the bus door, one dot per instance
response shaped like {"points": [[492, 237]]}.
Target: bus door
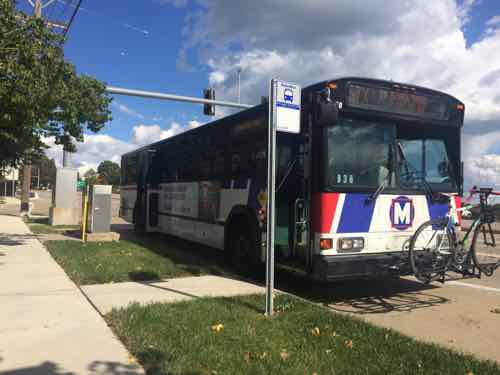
{"points": [[291, 213]]}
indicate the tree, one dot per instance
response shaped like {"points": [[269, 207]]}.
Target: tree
{"points": [[109, 173], [41, 95]]}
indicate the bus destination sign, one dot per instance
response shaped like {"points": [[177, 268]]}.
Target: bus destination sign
{"points": [[397, 101], [287, 103]]}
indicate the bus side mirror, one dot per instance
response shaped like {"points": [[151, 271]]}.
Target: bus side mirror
{"points": [[327, 113], [327, 110]]}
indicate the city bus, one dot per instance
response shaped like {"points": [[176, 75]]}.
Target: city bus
{"points": [[347, 195]]}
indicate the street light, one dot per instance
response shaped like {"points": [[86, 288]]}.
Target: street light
{"points": [[239, 84]]}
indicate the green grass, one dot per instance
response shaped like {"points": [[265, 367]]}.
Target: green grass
{"points": [[41, 226], [179, 339], [154, 257]]}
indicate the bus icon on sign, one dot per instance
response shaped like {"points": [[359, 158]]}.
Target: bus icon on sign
{"points": [[288, 95]]}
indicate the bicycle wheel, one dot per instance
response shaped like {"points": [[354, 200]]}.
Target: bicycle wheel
{"points": [[431, 250], [485, 254]]}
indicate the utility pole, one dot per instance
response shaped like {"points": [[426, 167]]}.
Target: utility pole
{"points": [[38, 8]]}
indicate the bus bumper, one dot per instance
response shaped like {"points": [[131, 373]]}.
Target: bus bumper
{"points": [[338, 267]]}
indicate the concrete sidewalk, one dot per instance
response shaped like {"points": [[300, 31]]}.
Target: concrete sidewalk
{"points": [[108, 296], [46, 324]]}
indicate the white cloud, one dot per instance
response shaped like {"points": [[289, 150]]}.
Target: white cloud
{"points": [[128, 111]]}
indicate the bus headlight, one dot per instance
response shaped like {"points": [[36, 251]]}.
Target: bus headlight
{"points": [[357, 243]]}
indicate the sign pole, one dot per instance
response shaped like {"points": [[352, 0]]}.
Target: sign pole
{"points": [[271, 165]]}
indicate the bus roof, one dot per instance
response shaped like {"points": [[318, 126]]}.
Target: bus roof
{"points": [[380, 82]]}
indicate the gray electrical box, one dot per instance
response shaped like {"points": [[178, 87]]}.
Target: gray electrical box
{"points": [[100, 209]]}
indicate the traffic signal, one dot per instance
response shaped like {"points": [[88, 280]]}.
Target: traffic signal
{"points": [[209, 109]]}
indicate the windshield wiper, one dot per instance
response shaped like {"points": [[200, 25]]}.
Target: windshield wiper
{"points": [[379, 190], [386, 180]]}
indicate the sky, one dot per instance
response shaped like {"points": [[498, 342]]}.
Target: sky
{"points": [[183, 46]]}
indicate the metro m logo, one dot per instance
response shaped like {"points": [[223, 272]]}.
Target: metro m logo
{"points": [[402, 213]]}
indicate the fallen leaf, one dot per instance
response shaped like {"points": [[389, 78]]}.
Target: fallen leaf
{"points": [[132, 359], [315, 331], [348, 344], [217, 327], [284, 354], [246, 357]]}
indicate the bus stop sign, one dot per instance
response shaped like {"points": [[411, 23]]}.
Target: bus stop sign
{"points": [[287, 106], [284, 116]]}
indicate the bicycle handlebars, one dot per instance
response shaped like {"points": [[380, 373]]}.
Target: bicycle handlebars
{"points": [[483, 191]]}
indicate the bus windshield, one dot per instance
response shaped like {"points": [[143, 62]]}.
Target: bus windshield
{"points": [[359, 153]]}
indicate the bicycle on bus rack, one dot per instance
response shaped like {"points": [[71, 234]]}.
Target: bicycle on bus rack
{"points": [[436, 247]]}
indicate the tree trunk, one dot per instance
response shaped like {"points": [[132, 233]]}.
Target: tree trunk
{"points": [[26, 188]]}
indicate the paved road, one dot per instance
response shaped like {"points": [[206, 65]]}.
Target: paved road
{"points": [[46, 324]]}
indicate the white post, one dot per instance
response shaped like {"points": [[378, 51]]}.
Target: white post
{"points": [[271, 165]]}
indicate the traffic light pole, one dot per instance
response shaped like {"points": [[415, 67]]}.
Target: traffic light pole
{"points": [[178, 98]]}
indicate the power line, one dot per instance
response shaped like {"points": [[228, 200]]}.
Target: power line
{"points": [[72, 18], [124, 25]]}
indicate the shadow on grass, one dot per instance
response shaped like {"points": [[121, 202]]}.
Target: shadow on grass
{"points": [[143, 276], [155, 361]]}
